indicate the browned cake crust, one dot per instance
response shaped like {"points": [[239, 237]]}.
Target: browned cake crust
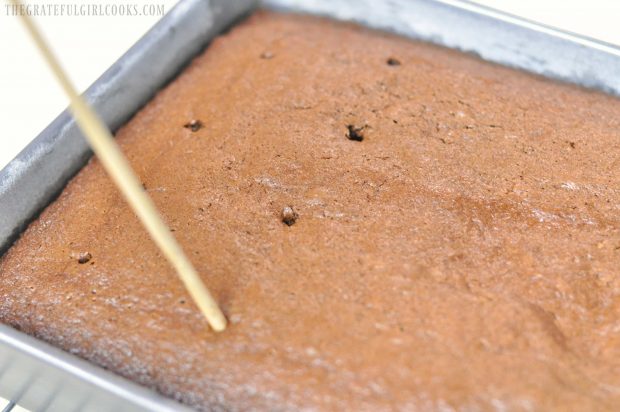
{"points": [[463, 255]]}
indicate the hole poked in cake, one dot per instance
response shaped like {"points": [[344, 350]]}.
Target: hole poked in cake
{"points": [[392, 61], [194, 125], [82, 257], [289, 216], [355, 133]]}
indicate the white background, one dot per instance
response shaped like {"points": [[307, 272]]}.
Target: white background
{"points": [[30, 98]]}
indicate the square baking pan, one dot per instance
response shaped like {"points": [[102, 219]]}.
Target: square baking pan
{"points": [[40, 377]]}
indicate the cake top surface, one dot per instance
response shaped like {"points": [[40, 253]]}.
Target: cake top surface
{"points": [[386, 224]]}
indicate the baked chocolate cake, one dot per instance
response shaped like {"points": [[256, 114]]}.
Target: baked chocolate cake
{"points": [[388, 225]]}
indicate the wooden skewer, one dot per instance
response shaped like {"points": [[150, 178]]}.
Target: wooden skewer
{"points": [[117, 166]]}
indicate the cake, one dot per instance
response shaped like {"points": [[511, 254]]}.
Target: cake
{"points": [[387, 225]]}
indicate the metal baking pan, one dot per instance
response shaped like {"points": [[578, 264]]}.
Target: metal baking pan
{"points": [[40, 377]]}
